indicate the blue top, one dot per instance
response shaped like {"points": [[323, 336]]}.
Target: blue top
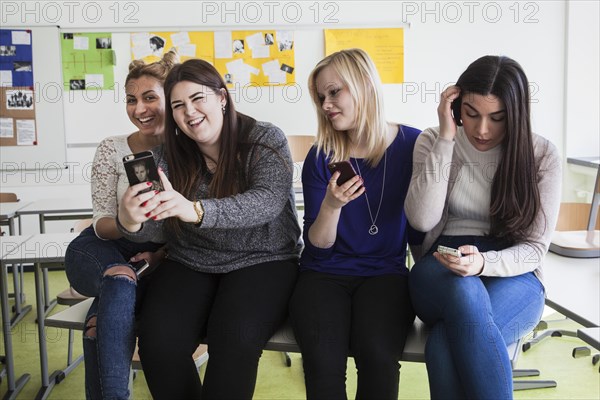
{"points": [[355, 251]]}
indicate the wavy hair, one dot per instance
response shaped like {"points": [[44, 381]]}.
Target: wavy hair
{"points": [[515, 194], [357, 72], [157, 70]]}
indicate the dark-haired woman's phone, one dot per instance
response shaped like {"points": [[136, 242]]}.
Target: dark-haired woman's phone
{"points": [[140, 167], [140, 267], [456, 104], [346, 170]]}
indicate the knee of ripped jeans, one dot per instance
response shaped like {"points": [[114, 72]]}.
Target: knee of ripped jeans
{"points": [[89, 331], [121, 272]]}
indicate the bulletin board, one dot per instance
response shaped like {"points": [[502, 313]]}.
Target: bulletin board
{"points": [[17, 112], [36, 108]]}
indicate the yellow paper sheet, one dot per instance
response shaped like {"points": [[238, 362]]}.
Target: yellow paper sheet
{"points": [[384, 46]]}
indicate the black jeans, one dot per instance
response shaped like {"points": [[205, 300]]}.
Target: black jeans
{"points": [[367, 317], [238, 312]]}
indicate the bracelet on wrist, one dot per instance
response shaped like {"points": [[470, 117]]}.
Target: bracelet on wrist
{"points": [[199, 211]]}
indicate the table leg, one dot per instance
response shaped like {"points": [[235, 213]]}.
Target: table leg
{"points": [[19, 310], [48, 382], [14, 385], [48, 305]]}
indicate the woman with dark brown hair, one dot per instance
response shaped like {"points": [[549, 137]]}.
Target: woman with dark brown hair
{"points": [[229, 217], [485, 185]]}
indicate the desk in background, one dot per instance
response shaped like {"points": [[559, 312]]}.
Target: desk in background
{"points": [[9, 245], [41, 249], [71, 208], [573, 288], [8, 213], [58, 209]]}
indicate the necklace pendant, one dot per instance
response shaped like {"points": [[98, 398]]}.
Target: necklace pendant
{"points": [[373, 230]]}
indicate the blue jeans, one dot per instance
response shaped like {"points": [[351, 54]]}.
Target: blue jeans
{"points": [[107, 355], [472, 320]]}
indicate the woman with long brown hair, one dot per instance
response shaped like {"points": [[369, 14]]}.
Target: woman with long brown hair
{"points": [[485, 185], [229, 217]]}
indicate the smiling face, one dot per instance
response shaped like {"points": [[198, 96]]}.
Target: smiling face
{"points": [[336, 100], [484, 120], [146, 104], [198, 112]]}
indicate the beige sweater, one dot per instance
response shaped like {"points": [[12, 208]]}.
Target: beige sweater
{"points": [[436, 166]]}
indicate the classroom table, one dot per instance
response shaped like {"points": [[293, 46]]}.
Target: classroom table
{"points": [[8, 212], [573, 288], [9, 245], [42, 249], [69, 208]]}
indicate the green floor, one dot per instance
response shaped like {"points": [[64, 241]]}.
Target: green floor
{"points": [[577, 378]]}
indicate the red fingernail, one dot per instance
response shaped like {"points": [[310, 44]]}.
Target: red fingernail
{"points": [[149, 183], [156, 192], [144, 204], [154, 218], [147, 214]]}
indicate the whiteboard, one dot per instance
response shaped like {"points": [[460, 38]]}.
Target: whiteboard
{"points": [[50, 152]]}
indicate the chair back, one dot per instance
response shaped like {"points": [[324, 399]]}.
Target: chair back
{"points": [[574, 217], [8, 198], [300, 145]]}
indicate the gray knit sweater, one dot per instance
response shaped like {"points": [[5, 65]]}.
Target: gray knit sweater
{"points": [[436, 168], [256, 226]]}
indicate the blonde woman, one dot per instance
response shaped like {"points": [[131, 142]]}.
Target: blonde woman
{"points": [[352, 293]]}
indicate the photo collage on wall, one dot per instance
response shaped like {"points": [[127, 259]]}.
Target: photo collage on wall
{"points": [[17, 121]]}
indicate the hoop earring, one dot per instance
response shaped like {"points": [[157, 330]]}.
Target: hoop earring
{"points": [[176, 132]]}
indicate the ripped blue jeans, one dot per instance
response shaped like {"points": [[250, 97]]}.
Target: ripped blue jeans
{"points": [[108, 354]]}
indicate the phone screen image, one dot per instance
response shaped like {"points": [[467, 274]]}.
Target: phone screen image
{"points": [[346, 170], [140, 167]]}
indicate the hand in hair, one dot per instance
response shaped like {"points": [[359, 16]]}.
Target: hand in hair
{"points": [[471, 262], [170, 203], [447, 124]]}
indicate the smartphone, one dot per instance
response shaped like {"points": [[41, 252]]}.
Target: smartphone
{"points": [[140, 167], [449, 250], [346, 169], [456, 104], [140, 267]]}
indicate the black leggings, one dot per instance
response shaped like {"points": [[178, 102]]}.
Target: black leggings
{"points": [[238, 312], [369, 317]]}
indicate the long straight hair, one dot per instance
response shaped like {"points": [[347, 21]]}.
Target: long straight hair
{"points": [[515, 195], [357, 72], [187, 166]]}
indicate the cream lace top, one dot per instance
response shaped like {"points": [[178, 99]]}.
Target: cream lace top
{"points": [[109, 180]]}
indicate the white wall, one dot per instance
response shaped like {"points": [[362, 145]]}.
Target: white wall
{"points": [[582, 97], [441, 39]]}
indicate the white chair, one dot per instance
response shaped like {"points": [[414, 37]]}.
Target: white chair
{"points": [[577, 232]]}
